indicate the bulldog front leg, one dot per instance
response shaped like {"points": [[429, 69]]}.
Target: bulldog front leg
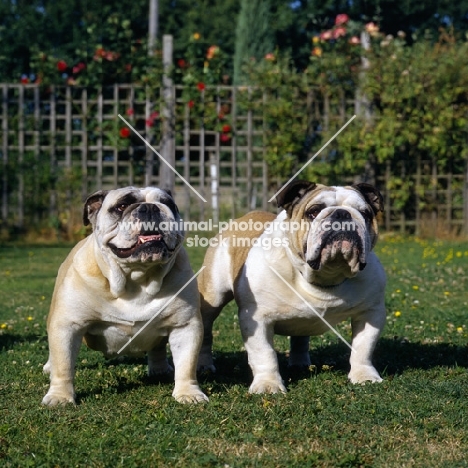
{"points": [[258, 341], [64, 345], [185, 343], [366, 331]]}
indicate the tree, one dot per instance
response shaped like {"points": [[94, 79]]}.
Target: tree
{"points": [[254, 37]]}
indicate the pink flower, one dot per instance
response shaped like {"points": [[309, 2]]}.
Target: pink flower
{"points": [[338, 32], [225, 137], [341, 19], [270, 57], [326, 35], [130, 111], [355, 40]]}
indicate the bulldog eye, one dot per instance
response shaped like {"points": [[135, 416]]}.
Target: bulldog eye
{"points": [[121, 208], [314, 212]]}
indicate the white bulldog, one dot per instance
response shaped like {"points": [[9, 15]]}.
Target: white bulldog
{"points": [[311, 267], [118, 290]]}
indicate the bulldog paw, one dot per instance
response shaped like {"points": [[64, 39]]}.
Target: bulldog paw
{"points": [[56, 399], [206, 370], [189, 394], [205, 363], [267, 386], [364, 374]]}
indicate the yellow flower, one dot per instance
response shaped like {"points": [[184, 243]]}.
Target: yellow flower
{"points": [[317, 52], [446, 293], [30, 318], [415, 287], [315, 39], [460, 329], [3, 326], [196, 36], [397, 313], [459, 254], [398, 291]]}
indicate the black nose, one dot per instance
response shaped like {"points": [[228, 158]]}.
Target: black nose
{"points": [[340, 215], [147, 211]]}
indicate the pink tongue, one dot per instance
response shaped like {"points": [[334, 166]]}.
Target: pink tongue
{"points": [[154, 237]]}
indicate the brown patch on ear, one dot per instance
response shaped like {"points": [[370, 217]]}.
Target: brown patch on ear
{"points": [[92, 206], [292, 193], [372, 196]]}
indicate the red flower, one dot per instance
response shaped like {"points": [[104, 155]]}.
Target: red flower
{"points": [[226, 128], [225, 137], [124, 132], [201, 86], [221, 116], [181, 63], [128, 67], [341, 19], [61, 66], [24, 79], [150, 121], [190, 104], [130, 111]]}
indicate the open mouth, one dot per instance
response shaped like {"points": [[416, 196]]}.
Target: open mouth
{"points": [[144, 242]]}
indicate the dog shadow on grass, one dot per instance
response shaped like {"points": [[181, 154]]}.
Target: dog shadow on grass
{"points": [[11, 340], [392, 357]]}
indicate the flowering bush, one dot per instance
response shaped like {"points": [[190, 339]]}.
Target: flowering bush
{"points": [[416, 95], [124, 60]]}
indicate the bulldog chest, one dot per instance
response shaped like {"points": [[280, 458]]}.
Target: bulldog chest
{"points": [[136, 329]]}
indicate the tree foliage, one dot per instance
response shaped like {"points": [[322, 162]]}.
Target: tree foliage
{"points": [[62, 29]]}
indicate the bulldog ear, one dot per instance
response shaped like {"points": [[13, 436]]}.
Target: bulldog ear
{"points": [[372, 196], [293, 192], [92, 206]]}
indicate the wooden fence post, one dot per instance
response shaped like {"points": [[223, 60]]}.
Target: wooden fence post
{"points": [[166, 175], [5, 155]]}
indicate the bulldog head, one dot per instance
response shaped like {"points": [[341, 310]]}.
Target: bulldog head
{"points": [[335, 228], [135, 225]]}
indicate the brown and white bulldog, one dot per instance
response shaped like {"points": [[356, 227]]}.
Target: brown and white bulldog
{"points": [[314, 259], [122, 290]]}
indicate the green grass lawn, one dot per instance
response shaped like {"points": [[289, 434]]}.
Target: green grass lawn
{"points": [[417, 417]]}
